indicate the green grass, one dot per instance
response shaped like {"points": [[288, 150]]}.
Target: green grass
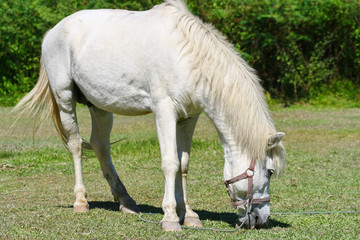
{"points": [[37, 178]]}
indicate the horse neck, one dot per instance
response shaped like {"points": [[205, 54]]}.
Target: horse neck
{"points": [[241, 119], [236, 156]]}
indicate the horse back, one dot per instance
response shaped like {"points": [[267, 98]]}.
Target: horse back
{"points": [[121, 61]]}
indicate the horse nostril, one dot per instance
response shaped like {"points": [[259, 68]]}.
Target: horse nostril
{"points": [[261, 220]]}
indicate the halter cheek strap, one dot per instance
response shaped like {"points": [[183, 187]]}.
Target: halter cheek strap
{"points": [[248, 174]]}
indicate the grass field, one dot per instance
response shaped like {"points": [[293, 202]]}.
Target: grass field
{"points": [[37, 178]]}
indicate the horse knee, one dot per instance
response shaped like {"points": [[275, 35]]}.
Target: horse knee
{"points": [[170, 167]]}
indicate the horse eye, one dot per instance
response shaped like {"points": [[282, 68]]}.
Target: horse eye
{"points": [[270, 172]]}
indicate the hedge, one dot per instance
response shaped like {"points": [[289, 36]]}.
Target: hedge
{"points": [[300, 48]]}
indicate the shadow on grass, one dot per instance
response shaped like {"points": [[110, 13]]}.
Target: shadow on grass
{"points": [[274, 223], [229, 218], [7, 154], [232, 219], [110, 206]]}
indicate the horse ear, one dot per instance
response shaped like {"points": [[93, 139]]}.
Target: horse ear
{"points": [[275, 139]]}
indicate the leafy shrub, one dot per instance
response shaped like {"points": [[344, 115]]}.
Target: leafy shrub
{"points": [[297, 46]]}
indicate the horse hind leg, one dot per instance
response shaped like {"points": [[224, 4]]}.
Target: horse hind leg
{"points": [[67, 110], [100, 141]]}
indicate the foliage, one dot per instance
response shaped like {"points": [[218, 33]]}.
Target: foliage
{"points": [[298, 47]]}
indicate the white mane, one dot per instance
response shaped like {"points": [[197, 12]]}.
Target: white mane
{"points": [[233, 86]]}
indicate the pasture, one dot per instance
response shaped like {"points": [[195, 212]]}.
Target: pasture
{"points": [[37, 180]]}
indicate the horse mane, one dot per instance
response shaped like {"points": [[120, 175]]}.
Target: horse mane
{"points": [[232, 86]]}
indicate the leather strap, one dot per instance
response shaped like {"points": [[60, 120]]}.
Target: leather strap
{"points": [[248, 174], [254, 201], [242, 176]]}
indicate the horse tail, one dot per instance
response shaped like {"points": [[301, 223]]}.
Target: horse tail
{"points": [[39, 103]]}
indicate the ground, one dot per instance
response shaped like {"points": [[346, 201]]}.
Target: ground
{"points": [[322, 174]]}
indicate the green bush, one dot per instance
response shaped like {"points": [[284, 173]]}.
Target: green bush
{"points": [[298, 47]]}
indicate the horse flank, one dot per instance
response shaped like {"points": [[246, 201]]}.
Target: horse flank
{"points": [[234, 88]]}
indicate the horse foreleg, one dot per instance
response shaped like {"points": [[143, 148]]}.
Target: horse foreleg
{"points": [[100, 141], [184, 133], [170, 165]]}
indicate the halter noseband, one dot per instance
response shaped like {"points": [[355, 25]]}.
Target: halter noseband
{"points": [[249, 201]]}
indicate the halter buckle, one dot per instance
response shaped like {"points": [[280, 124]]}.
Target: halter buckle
{"points": [[249, 172]]}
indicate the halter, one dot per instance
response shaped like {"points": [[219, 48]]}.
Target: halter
{"points": [[249, 201]]}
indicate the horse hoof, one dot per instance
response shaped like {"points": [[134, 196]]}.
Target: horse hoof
{"points": [[130, 209], [171, 226], [81, 207], [193, 222]]}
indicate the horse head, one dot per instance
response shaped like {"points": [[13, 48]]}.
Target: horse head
{"points": [[250, 191]]}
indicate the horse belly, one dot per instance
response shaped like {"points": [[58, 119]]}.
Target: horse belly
{"points": [[122, 97], [112, 80]]}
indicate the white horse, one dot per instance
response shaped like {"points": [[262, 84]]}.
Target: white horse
{"points": [[165, 61]]}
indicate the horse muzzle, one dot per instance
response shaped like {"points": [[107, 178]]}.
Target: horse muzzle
{"points": [[257, 218]]}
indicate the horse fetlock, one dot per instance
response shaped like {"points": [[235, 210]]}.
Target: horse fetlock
{"points": [[80, 194], [116, 197], [190, 213]]}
